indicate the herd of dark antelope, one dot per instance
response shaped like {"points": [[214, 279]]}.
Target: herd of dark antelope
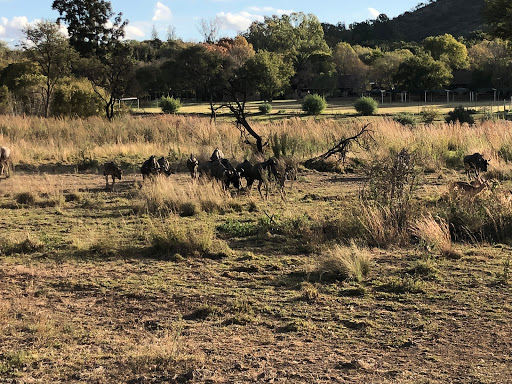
{"points": [[216, 168], [221, 169]]}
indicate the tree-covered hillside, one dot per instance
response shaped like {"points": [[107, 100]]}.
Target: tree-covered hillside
{"points": [[455, 17]]}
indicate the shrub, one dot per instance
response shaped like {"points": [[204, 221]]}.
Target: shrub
{"points": [[405, 118], [461, 115], [388, 197], [170, 104], [314, 104], [366, 106], [401, 285], [25, 198], [428, 115], [265, 108]]}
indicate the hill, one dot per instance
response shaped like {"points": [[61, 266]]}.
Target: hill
{"points": [[456, 17]]}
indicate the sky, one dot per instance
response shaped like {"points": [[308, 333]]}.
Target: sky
{"points": [[184, 16]]}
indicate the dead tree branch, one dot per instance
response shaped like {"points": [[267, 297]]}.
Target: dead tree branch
{"points": [[343, 146]]}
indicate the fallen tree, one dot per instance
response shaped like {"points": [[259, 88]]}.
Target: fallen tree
{"points": [[341, 148]]}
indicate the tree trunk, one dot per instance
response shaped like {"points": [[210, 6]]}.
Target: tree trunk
{"points": [[239, 113], [246, 125]]}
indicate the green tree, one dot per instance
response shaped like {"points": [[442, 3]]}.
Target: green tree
{"points": [[491, 62], [384, 69], [498, 14], [75, 98], [24, 82], [150, 80], [49, 49], [288, 34], [110, 76], [199, 70], [4, 99], [423, 72], [89, 23], [271, 74], [352, 71], [107, 60], [448, 50]]}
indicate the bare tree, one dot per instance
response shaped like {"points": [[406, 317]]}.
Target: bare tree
{"points": [[209, 29], [171, 33]]}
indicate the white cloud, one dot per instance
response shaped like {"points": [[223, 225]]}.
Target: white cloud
{"points": [[242, 20], [162, 12], [238, 21], [132, 32], [11, 30], [373, 12], [271, 10]]}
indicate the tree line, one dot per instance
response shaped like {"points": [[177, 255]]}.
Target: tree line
{"points": [[87, 72]]}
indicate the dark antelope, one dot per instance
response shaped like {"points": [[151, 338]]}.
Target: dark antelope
{"points": [[111, 169]]}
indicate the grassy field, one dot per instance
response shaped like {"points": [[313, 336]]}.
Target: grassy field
{"points": [[340, 108], [174, 281]]}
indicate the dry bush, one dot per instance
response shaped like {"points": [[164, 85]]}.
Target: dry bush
{"points": [[308, 292], [387, 197], [11, 245], [486, 217], [346, 262], [435, 234]]}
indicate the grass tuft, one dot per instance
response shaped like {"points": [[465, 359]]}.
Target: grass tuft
{"points": [[346, 262]]}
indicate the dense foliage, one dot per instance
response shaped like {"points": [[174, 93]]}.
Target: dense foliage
{"points": [[366, 106], [170, 104], [284, 56], [313, 104]]}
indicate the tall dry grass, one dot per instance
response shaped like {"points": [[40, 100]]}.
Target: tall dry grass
{"points": [[38, 141], [164, 196], [346, 262], [435, 234]]}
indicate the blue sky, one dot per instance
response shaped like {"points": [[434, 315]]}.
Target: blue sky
{"points": [[185, 15]]}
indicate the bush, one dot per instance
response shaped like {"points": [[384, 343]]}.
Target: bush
{"points": [[460, 114], [314, 104], [76, 100], [366, 106], [428, 115], [405, 118], [265, 108], [170, 104]]}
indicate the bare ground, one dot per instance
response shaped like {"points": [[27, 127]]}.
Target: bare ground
{"points": [[100, 314]]}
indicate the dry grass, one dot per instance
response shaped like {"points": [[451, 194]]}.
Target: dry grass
{"points": [[95, 291], [346, 262], [129, 140], [163, 196], [435, 234]]}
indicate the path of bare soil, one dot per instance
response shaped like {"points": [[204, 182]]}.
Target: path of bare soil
{"points": [[100, 314]]}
